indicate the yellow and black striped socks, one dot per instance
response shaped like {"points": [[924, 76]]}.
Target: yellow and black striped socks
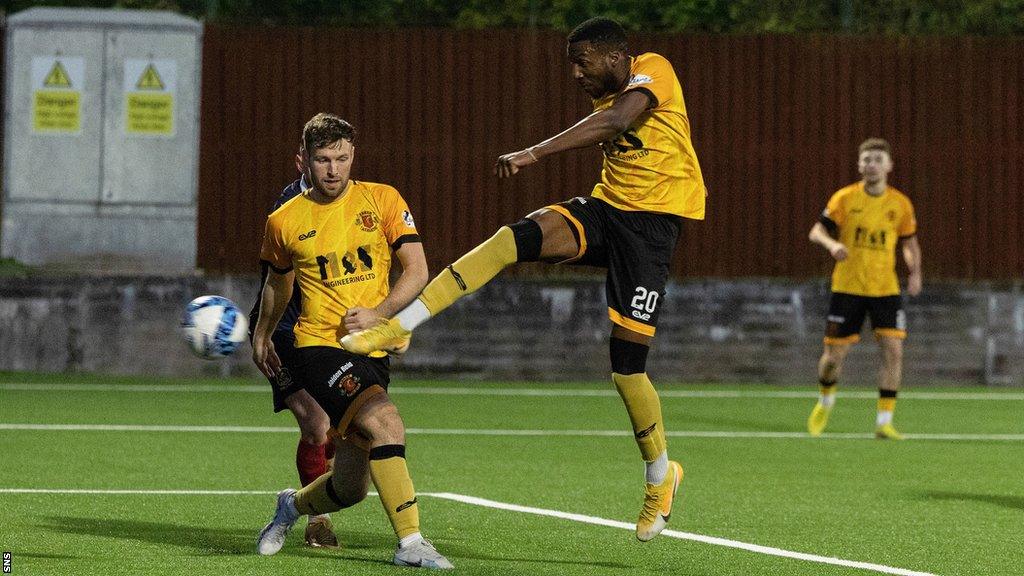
{"points": [[827, 391], [471, 271], [390, 475], [319, 496], [644, 409], [886, 406]]}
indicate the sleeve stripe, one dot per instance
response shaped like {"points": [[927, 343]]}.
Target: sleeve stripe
{"points": [[650, 95], [405, 239], [276, 269], [829, 224], [908, 236]]}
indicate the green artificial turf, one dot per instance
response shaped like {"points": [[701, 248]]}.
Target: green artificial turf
{"points": [[940, 506]]}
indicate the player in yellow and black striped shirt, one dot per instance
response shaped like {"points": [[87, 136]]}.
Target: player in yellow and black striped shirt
{"points": [[336, 240], [650, 182], [861, 228]]}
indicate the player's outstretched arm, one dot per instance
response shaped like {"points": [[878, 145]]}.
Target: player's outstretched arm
{"points": [[595, 128], [277, 291], [911, 250], [819, 235]]}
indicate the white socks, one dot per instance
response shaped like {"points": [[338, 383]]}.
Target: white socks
{"points": [[657, 469], [413, 315], [883, 418], [411, 538], [827, 400]]}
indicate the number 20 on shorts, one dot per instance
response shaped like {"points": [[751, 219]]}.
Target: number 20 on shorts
{"points": [[643, 304]]}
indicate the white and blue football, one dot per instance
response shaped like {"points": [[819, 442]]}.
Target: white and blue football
{"points": [[214, 327]]}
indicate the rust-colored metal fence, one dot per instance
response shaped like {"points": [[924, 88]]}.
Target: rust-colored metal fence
{"points": [[776, 121]]}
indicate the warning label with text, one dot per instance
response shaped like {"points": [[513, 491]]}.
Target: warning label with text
{"points": [[149, 88]]}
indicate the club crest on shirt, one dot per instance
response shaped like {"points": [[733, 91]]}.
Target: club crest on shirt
{"points": [[367, 221], [407, 218]]}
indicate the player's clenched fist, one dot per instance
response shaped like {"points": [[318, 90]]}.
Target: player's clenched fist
{"points": [[509, 164]]}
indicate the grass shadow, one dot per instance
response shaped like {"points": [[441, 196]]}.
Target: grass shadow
{"points": [[1014, 502], [206, 541], [202, 540]]}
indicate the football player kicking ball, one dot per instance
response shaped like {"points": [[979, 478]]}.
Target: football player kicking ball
{"points": [[336, 239], [629, 224], [868, 219]]}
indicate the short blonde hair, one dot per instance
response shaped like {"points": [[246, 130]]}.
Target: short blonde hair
{"points": [[875, 144]]}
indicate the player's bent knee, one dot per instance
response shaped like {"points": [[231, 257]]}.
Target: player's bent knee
{"points": [[380, 421], [529, 238]]}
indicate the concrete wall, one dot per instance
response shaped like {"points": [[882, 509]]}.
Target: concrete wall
{"points": [[730, 331]]}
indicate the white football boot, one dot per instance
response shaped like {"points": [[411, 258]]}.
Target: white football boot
{"points": [[271, 538]]}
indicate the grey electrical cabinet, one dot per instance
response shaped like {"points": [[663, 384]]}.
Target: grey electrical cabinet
{"points": [[101, 137]]}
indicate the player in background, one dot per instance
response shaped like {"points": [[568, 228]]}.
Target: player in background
{"points": [[629, 225], [336, 240], [861, 228], [315, 451]]}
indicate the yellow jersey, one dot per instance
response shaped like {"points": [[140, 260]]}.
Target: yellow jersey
{"points": [[340, 251], [870, 227], [652, 166]]}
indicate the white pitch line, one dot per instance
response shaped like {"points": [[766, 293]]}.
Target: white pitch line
{"points": [[472, 500], [725, 434], [665, 392], [682, 535], [136, 492]]}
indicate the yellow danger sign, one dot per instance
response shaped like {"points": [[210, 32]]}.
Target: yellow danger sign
{"points": [[150, 80], [58, 77], [150, 87], [57, 111], [151, 114], [57, 98]]}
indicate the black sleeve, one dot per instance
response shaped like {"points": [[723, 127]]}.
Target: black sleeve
{"points": [[829, 225], [405, 239]]}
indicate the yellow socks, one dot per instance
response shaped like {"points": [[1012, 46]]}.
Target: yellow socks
{"points": [[471, 271], [391, 477], [886, 406], [644, 409], [318, 497], [827, 393]]}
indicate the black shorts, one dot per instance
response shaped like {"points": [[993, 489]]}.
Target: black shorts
{"points": [[635, 247], [846, 314], [340, 381], [284, 384]]}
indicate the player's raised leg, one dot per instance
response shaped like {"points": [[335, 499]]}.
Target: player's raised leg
{"points": [[313, 458], [343, 487], [544, 235], [662, 476], [890, 377], [830, 366]]}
